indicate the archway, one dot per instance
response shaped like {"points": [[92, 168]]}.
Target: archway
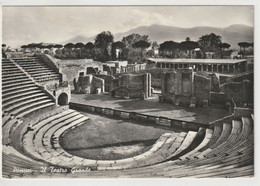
{"points": [[63, 99]]}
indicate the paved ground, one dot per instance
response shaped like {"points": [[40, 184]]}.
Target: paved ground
{"points": [[152, 106]]}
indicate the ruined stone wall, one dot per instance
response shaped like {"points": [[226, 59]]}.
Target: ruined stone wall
{"points": [[108, 80], [169, 82], [244, 76], [240, 92], [97, 85], [249, 75], [89, 84], [186, 83], [71, 72], [218, 98], [132, 86], [177, 86], [82, 85], [70, 69], [202, 88]]}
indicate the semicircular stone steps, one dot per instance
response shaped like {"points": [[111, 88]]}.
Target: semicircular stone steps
{"points": [[43, 143]]}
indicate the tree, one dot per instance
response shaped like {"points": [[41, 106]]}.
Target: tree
{"points": [[119, 45], [187, 39], [58, 46], [209, 42], [24, 46], [69, 45], [223, 46], [142, 44], [103, 42], [133, 38], [169, 46], [188, 45], [32, 45], [244, 45], [50, 46], [103, 39], [89, 46], [67, 51], [129, 51], [155, 45], [89, 50], [80, 46]]}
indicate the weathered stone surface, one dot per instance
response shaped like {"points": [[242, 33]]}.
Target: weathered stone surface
{"points": [[132, 86]]}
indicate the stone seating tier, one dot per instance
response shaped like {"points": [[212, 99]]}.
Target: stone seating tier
{"points": [[37, 69]]}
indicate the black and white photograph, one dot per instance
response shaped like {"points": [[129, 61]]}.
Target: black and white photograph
{"points": [[129, 91]]}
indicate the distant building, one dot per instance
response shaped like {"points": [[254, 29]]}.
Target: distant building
{"points": [[181, 53], [229, 66], [119, 67]]}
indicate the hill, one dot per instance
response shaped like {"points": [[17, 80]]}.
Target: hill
{"points": [[160, 33]]}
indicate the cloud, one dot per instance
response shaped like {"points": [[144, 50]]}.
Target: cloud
{"points": [[56, 24]]}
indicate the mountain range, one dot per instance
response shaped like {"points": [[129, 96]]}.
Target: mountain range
{"points": [[232, 34]]}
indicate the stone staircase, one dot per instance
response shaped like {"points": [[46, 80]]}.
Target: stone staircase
{"points": [[37, 69]]}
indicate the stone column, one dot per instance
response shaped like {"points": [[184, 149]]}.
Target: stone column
{"points": [[149, 85], [146, 85]]}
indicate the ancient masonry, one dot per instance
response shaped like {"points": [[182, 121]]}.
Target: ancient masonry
{"points": [[183, 87], [33, 122], [132, 86]]}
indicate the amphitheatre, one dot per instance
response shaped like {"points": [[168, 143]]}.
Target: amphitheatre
{"points": [[121, 126]]}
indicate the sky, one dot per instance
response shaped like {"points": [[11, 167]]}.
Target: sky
{"points": [[23, 25]]}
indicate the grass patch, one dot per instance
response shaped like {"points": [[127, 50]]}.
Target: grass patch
{"points": [[106, 138]]}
